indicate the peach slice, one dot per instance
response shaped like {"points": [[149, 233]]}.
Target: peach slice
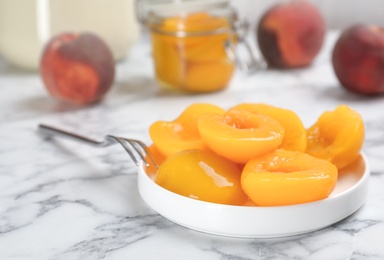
{"points": [[193, 22], [182, 133], [208, 76], [164, 53], [240, 135], [288, 177], [337, 136], [202, 175], [195, 62], [157, 157], [295, 138]]}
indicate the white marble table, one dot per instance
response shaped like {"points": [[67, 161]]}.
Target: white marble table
{"points": [[65, 200]]}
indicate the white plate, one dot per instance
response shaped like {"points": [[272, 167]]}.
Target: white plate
{"points": [[260, 222]]}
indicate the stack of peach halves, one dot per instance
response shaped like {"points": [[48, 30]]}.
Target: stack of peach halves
{"points": [[254, 154]]}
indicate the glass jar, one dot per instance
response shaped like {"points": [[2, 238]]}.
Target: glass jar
{"points": [[27, 25], [192, 42]]}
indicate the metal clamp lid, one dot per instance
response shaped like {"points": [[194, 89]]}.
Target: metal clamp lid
{"points": [[143, 7], [251, 63]]}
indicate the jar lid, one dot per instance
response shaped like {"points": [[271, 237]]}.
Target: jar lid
{"points": [[181, 5]]}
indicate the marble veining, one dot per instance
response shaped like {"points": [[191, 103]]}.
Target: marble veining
{"points": [[63, 200]]}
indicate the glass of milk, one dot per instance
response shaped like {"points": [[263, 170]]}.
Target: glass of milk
{"points": [[26, 26]]}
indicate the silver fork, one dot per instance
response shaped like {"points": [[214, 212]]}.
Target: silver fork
{"points": [[129, 145]]}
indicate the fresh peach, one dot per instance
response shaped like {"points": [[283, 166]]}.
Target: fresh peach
{"points": [[77, 68], [358, 59], [290, 34]]}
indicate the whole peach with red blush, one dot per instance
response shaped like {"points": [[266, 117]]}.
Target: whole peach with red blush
{"points": [[358, 59], [77, 68], [290, 34]]}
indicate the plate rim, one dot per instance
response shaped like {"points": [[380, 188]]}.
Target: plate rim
{"points": [[144, 180]]}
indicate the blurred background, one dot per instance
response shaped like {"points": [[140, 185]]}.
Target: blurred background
{"points": [[26, 25], [338, 13]]}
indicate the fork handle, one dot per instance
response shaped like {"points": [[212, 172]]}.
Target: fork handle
{"points": [[128, 144], [50, 131]]}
